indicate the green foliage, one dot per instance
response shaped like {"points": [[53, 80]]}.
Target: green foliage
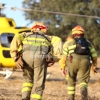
{"points": [[62, 25]]}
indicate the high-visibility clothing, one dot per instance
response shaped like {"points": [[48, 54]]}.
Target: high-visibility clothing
{"points": [[55, 39], [57, 47], [70, 46], [27, 86], [80, 66], [17, 41], [57, 44], [36, 43], [35, 47], [77, 64], [83, 84], [16, 44], [71, 90], [34, 72], [36, 96], [67, 77], [63, 62]]}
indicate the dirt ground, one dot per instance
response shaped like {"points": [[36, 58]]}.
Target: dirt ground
{"points": [[55, 87]]}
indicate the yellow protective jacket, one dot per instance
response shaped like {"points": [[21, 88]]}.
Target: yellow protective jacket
{"points": [[57, 44], [57, 47], [17, 43], [63, 60], [69, 47]]}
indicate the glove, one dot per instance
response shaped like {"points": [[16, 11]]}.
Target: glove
{"points": [[19, 63]]}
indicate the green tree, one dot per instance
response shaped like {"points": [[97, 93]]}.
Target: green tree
{"points": [[62, 25]]}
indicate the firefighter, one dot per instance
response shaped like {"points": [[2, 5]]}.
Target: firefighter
{"points": [[78, 52], [36, 54], [63, 60], [57, 46]]}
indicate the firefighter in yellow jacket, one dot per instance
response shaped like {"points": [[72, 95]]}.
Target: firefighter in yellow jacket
{"points": [[78, 52], [57, 49], [36, 53], [63, 60], [57, 46]]}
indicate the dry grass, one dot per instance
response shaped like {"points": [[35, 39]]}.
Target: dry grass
{"points": [[55, 89]]}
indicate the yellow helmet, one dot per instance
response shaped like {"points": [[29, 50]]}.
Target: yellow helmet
{"points": [[78, 30], [39, 27]]}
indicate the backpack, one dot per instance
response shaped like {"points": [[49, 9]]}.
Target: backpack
{"points": [[82, 47]]}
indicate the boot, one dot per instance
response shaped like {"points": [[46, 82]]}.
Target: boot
{"points": [[84, 94]]}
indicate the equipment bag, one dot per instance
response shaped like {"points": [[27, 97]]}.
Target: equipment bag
{"points": [[82, 47]]}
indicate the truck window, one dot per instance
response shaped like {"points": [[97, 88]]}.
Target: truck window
{"points": [[6, 39]]}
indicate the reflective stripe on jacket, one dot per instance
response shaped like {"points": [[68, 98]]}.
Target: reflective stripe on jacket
{"points": [[69, 47], [18, 40], [36, 42]]}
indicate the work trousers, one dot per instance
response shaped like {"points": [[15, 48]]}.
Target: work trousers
{"points": [[34, 75], [80, 66]]}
